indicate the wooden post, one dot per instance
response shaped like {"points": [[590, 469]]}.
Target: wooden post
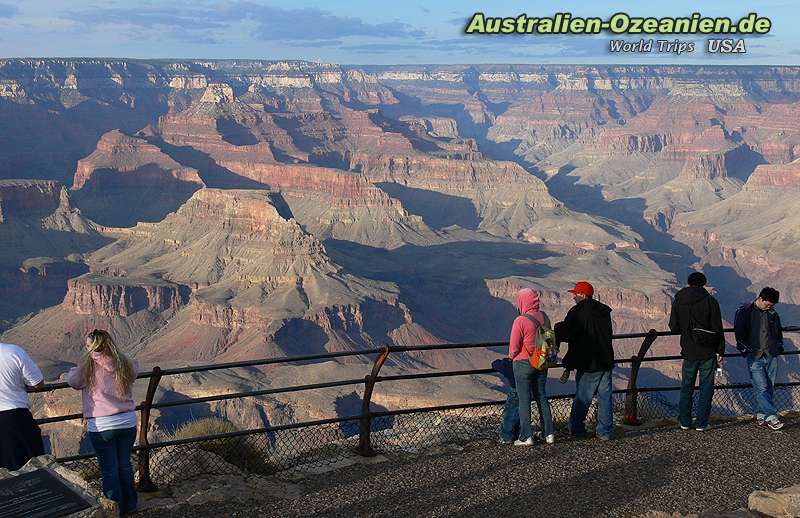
{"points": [[146, 485], [632, 398], [364, 442]]}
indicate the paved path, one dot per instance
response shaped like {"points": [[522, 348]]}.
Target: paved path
{"points": [[664, 469]]}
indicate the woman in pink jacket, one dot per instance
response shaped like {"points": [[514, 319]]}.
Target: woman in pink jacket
{"points": [[105, 378], [530, 382]]}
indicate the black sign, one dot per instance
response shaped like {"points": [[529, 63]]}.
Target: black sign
{"points": [[38, 494]]}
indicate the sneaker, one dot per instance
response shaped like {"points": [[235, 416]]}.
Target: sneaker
{"points": [[684, 427], [550, 439], [604, 437], [579, 435], [506, 441], [774, 423], [526, 442], [703, 428], [761, 419]]}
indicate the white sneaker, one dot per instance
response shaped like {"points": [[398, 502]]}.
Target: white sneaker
{"points": [[550, 439], [526, 442], [761, 419], [774, 423]]}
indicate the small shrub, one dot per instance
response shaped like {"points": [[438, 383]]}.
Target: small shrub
{"points": [[241, 451], [201, 427]]}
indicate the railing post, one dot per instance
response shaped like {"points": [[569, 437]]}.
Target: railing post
{"points": [[146, 485], [364, 442], [632, 397]]}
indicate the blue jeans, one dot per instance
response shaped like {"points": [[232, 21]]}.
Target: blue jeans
{"points": [[531, 387], [589, 384], [113, 449], [509, 426], [763, 372], [689, 372]]}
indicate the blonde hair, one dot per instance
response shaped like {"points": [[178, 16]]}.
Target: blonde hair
{"points": [[101, 342]]}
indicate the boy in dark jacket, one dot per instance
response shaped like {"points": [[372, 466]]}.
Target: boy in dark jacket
{"points": [[587, 328], [696, 315], [759, 335]]}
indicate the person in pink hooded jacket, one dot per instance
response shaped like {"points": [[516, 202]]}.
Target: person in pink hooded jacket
{"points": [[530, 383], [105, 379]]}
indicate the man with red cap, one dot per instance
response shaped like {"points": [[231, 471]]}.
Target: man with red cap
{"points": [[587, 329]]}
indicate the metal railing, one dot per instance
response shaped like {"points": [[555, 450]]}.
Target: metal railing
{"points": [[367, 417]]}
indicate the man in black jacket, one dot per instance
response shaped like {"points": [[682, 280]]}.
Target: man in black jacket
{"points": [[759, 335], [588, 329], [696, 315]]}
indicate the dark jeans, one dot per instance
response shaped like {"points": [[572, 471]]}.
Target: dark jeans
{"points": [[531, 387], [587, 385], [113, 449], [763, 372], [20, 438], [688, 376], [509, 425]]}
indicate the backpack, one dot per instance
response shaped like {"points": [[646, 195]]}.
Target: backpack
{"points": [[702, 337], [544, 344]]}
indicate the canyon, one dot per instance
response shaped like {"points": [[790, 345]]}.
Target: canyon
{"points": [[209, 211]]}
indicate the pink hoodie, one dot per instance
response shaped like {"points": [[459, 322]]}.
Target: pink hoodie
{"points": [[523, 332], [104, 399]]}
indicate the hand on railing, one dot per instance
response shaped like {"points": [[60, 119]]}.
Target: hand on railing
{"points": [[36, 388]]}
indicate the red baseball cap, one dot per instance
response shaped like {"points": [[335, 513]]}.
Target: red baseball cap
{"points": [[583, 287]]}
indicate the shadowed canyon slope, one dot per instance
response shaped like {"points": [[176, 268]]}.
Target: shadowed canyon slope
{"points": [[222, 210]]}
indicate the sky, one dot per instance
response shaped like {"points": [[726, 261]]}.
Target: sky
{"points": [[360, 32]]}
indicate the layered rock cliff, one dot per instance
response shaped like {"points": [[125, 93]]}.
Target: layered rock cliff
{"points": [[126, 180], [326, 201], [248, 269], [42, 238], [130, 155], [754, 231], [107, 296], [37, 220]]}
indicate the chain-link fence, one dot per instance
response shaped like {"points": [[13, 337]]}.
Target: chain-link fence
{"points": [[311, 449]]}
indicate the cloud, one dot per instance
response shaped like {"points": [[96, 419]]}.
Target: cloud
{"points": [[147, 17], [274, 23], [268, 23], [383, 48], [8, 11], [318, 43], [197, 38], [502, 46]]}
